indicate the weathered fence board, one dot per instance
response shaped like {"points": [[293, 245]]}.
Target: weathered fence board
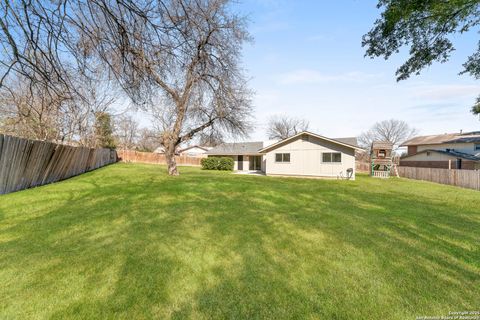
{"points": [[28, 163], [155, 158], [461, 178], [361, 166]]}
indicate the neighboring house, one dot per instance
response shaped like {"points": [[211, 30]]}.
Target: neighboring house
{"points": [[304, 154], [160, 150], [194, 151], [450, 150]]}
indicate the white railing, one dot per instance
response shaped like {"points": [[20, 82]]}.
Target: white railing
{"points": [[381, 174]]}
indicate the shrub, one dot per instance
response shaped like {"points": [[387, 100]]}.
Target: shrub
{"points": [[210, 163], [217, 163], [225, 163]]}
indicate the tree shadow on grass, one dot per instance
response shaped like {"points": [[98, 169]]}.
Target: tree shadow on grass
{"points": [[419, 248], [209, 246]]}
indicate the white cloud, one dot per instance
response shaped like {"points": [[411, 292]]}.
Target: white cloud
{"points": [[309, 76], [445, 91], [348, 108]]}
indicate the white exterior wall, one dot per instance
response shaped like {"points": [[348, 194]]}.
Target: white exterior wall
{"points": [[306, 159], [235, 166], [246, 163], [461, 147], [434, 156]]}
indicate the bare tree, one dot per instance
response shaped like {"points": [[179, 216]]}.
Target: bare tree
{"points": [[50, 89], [31, 113], [35, 47], [126, 131], [96, 95], [283, 127], [210, 138], [394, 131], [39, 113], [147, 140], [178, 59]]}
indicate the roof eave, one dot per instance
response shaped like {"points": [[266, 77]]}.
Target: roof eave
{"points": [[191, 147], [264, 150], [235, 154]]}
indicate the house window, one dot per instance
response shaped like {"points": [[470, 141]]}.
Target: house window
{"points": [[381, 153], [477, 146], [282, 157], [330, 157]]}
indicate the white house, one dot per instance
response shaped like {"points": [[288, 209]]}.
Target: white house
{"points": [[304, 154], [246, 155], [194, 151]]}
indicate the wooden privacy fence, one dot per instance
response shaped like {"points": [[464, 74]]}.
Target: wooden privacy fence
{"points": [[361, 166], [155, 158], [29, 163], [461, 178]]}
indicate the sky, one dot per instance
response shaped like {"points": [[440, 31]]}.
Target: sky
{"points": [[306, 61]]}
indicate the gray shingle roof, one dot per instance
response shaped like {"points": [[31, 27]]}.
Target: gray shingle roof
{"points": [[349, 140], [246, 148], [468, 137], [458, 154]]}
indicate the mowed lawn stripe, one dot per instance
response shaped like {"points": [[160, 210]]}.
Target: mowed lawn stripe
{"points": [[129, 242]]}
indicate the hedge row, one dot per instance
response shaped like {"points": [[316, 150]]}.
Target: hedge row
{"points": [[217, 163]]}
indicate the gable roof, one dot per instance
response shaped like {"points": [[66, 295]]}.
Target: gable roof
{"points": [[337, 141], [236, 148], [382, 145], [349, 140], [468, 137], [194, 146], [452, 153]]}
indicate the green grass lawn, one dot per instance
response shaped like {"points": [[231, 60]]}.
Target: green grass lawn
{"points": [[129, 242]]}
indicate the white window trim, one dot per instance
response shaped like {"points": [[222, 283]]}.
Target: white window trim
{"points": [[332, 162], [282, 153]]}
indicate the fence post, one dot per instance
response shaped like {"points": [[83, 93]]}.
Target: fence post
{"points": [[454, 177]]}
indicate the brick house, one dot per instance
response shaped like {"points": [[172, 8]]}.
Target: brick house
{"points": [[449, 150]]}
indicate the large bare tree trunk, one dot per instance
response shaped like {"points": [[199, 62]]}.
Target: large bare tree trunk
{"points": [[184, 66], [170, 157]]}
